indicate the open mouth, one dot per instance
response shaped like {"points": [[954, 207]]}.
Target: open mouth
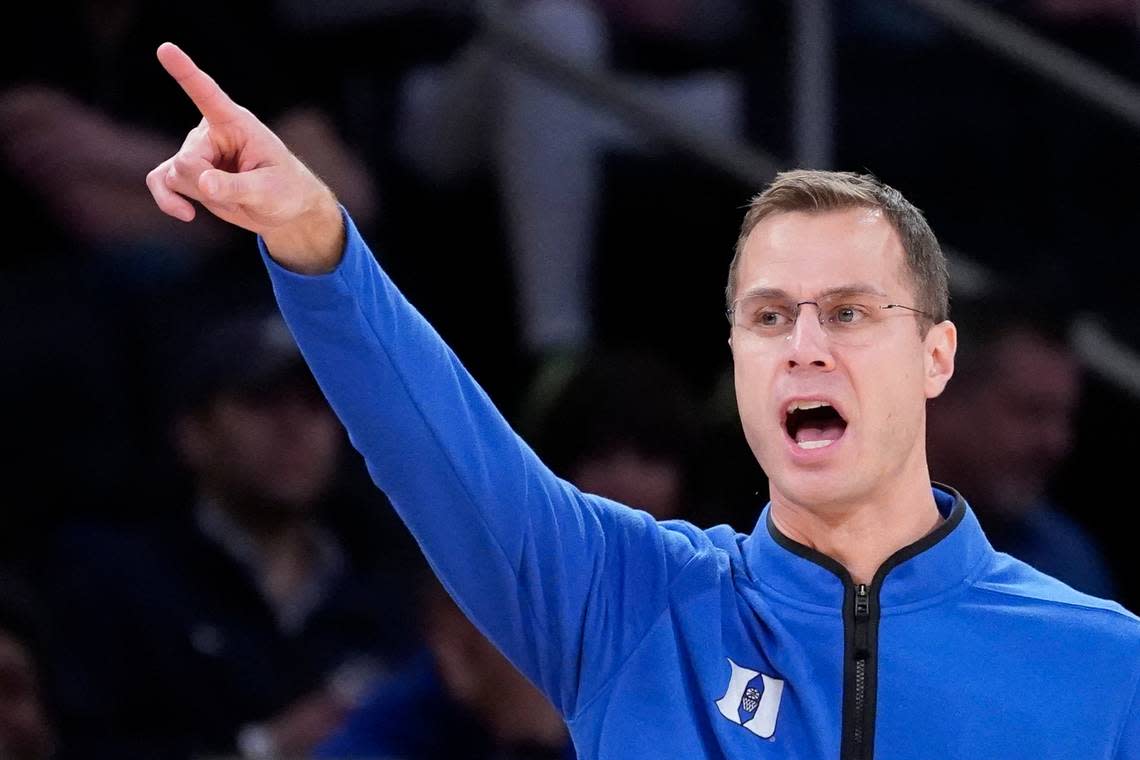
{"points": [[814, 424]]}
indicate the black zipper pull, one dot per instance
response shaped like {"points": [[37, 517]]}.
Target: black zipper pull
{"points": [[862, 601], [862, 615]]}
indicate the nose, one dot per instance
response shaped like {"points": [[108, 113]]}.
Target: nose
{"points": [[808, 343]]}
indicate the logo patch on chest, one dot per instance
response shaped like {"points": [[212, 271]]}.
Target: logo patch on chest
{"points": [[752, 700]]}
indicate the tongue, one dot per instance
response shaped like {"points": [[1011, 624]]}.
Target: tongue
{"points": [[820, 431]]}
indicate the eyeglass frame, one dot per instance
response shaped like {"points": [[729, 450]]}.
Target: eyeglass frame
{"points": [[729, 312]]}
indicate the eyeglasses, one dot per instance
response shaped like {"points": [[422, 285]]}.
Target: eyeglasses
{"points": [[845, 321]]}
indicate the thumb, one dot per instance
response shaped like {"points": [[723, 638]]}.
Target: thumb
{"points": [[233, 188]]}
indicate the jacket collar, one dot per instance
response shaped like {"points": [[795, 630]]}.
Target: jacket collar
{"points": [[943, 559]]}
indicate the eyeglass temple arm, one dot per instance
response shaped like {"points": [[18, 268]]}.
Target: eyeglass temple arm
{"points": [[908, 308]]}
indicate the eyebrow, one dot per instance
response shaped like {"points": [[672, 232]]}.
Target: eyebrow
{"points": [[852, 289]]}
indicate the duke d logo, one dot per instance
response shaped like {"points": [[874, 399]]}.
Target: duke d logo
{"points": [[752, 703]]}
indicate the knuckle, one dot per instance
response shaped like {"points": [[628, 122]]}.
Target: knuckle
{"points": [[182, 166], [157, 191], [195, 138]]}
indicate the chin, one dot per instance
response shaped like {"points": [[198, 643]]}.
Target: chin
{"points": [[296, 501]]}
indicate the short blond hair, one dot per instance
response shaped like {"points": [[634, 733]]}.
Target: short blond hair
{"points": [[821, 191]]}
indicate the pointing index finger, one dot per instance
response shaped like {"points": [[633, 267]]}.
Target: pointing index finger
{"points": [[208, 97]]}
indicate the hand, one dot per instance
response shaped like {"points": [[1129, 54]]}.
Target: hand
{"points": [[306, 723], [242, 173]]}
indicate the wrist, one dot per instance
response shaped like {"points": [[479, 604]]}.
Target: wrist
{"points": [[314, 242]]}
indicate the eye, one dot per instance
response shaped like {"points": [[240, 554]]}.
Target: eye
{"points": [[848, 314], [770, 317]]}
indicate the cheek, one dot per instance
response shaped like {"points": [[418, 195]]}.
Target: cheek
{"points": [[323, 436], [753, 396], [257, 438], [893, 398], [253, 445], [240, 439]]}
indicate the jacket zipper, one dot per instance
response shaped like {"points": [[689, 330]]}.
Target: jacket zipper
{"points": [[861, 631], [859, 722]]}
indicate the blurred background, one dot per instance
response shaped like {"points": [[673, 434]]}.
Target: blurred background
{"points": [[193, 562]]}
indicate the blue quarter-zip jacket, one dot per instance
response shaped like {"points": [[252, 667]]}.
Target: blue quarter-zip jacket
{"points": [[663, 640]]}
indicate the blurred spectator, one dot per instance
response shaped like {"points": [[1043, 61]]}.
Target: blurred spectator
{"points": [[85, 112], [249, 622], [1004, 425], [461, 698], [546, 145], [26, 732], [619, 425]]}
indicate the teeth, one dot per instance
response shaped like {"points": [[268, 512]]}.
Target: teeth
{"points": [[796, 406], [813, 444]]}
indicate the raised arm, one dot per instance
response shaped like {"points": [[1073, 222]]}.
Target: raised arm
{"points": [[566, 584]]}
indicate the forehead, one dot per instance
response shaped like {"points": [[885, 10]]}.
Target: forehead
{"points": [[807, 252]]}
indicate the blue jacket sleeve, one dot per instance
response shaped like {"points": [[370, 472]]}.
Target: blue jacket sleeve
{"points": [[566, 584], [1128, 745]]}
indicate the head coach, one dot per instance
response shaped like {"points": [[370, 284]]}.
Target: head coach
{"points": [[865, 616]]}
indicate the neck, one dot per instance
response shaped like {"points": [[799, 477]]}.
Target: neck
{"points": [[863, 534], [258, 515], [284, 543], [274, 528]]}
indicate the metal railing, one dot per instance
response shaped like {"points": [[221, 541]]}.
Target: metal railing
{"points": [[734, 158], [1016, 43], [1094, 345]]}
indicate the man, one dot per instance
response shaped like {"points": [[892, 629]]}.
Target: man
{"points": [[245, 622], [865, 614], [1003, 428], [619, 425], [459, 698]]}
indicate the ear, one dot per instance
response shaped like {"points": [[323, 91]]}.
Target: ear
{"points": [[941, 343]]}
